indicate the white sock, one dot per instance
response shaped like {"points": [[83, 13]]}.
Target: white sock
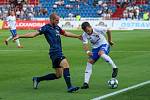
{"points": [[18, 42], [9, 38], [88, 72], [109, 60]]}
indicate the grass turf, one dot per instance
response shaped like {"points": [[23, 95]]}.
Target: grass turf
{"points": [[131, 54]]}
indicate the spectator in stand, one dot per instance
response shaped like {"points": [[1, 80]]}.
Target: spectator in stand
{"points": [[59, 2], [1, 12], [72, 0], [18, 13], [84, 2], [100, 3], [100, 12], [43, 11], [22, 15], [146, 16], [70, 15], [24, 7], [137, 12], [125, 14], [131, 14], [78, 17], [55, 6], [68, 6], [30, 16]]}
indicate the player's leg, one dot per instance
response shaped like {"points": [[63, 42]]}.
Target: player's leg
{"points": [[88, 73], [66, 75], [103, 53], [14, 33], [51, 76], [47, 77], [9, 38], [88, 70]]}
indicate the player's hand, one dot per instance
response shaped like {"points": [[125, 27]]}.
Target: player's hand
{"points": [[80, 37], [111, 43], [89, 53]]}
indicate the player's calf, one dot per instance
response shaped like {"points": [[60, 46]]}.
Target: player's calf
{"points": [[6, 42]]}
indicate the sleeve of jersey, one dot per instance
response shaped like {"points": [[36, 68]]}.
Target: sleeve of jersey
{"points": [[42, 30], [84, 39], [7, 19], [62, 32], [101, 30]]}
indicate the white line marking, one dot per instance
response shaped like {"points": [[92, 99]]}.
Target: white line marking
{"points": [[120, 91], [16, 50], [128, 51]]}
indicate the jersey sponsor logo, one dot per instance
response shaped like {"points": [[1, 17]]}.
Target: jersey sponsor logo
{"points": [[94, 38], [57, 32]]}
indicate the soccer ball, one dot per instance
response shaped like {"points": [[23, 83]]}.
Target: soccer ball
{"points": [[113, 83]]}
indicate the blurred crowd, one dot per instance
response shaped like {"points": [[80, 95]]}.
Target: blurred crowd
{"points": [[24, 11], [21, 7]]}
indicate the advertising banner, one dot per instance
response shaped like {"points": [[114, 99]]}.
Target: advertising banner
{"points": [[132, 24], [26, 25], [74, 25]]}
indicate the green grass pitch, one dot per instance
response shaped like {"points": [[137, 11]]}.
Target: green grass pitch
{"points": [[131, 54]]}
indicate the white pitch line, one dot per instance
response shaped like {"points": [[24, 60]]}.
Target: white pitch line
{"points": [[16, 50], [130, 51], [120, 91], [47, 50]]}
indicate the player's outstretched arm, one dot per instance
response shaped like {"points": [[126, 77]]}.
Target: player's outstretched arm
{"points": [[27, 35], [109, 37], [72, 35]]}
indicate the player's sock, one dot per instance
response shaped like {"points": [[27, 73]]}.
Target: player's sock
{"points": [[88, 72], [109, 60], [9, 38], [18, 42], [51, 76], [66, 75]]}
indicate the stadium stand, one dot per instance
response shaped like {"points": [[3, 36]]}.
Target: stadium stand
{"points": [[86, 8], [106, 9]]}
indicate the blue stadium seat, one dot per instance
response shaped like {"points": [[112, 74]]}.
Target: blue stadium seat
{"points": [[84, 10]]}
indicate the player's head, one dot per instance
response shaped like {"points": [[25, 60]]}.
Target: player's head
{"points": [[54, 19], [12, 12], [87, 28]]}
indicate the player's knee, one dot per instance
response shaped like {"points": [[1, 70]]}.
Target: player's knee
{"points": [[58, 76], [100, 53], [64, 63], [91, 61]]}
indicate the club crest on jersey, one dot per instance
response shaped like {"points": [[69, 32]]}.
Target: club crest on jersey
{"points": [[57, 31]]}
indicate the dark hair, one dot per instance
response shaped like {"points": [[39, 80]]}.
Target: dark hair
{"points": [[85, 24]]}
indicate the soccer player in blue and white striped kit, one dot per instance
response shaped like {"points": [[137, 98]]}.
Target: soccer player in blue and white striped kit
{"points": [[11, 21], [52, 34], [100, 49]]}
